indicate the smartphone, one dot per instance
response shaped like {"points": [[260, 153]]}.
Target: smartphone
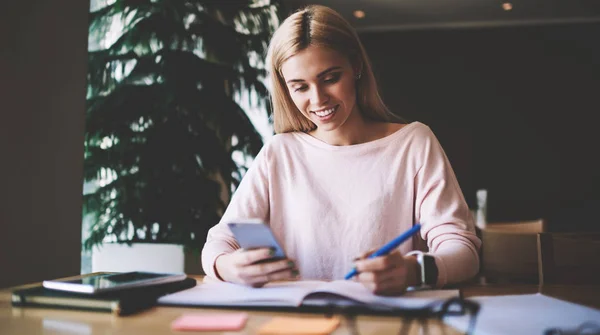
{"points": [[255, 234], [112, 281]]}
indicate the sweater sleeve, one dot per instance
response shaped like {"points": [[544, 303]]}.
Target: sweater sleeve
{"points": [[249, 201], [447, 224]]}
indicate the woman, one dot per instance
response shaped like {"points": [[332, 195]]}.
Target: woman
{"points": [[343, 175]]}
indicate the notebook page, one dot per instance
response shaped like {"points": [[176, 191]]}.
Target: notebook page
{"points": [[525, 314], [411, 299], [213, 293]]}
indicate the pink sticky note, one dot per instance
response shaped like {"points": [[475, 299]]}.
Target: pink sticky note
{"points": [[212, 321]]}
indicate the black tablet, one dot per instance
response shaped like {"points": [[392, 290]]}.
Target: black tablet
{"points": [[112, 282]]}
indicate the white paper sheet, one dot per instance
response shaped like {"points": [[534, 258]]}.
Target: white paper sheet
{"points": [[527, 314]]}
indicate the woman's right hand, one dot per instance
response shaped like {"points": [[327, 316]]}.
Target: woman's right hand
{"points": [[241, 267]]}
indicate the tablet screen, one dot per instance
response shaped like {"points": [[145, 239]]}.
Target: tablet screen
{"points": [[105, 282]]}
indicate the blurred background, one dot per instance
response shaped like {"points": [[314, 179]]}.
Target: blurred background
{"points": [[509, 88]]}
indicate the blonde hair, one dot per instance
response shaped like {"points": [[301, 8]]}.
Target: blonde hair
{"points": [[320, 26]]}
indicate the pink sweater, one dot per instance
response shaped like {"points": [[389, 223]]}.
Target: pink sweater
{"points": [[327, 204]]}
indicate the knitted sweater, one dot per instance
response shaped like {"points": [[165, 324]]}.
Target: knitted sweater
{"points": [[327, 204]]}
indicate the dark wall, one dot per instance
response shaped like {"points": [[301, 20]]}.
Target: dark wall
{"points": [[42, 103], [514, 108]]}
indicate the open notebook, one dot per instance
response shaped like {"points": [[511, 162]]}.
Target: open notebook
{"points": [[299, 293]]}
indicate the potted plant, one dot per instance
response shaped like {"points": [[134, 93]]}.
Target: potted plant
{"points": [[162, 118]]}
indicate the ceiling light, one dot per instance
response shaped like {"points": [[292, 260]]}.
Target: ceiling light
{"points": [[359, 14], [507, 6]]}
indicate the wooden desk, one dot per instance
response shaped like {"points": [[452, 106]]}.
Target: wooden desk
{"points": [[157, 320]]}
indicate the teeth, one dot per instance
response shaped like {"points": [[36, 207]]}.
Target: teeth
{"points": [[325, 112]]}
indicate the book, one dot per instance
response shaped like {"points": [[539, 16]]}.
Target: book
{"points": [[123, 302], [212, 293]]}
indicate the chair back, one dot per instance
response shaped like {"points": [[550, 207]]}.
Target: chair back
{"points": [[509, 251], [569, 258]]}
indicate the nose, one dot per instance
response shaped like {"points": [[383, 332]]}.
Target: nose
{"points": [[318, 96]]}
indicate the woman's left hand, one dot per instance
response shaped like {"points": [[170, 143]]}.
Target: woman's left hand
{"points": [[390, 274]]}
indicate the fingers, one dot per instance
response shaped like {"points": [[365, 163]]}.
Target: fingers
{"points": [[390, 286], [246, 257], [377, 276], [392, 260], [364, 255], [375, 279], [260, 280], [256, 268], [267, 268], [385, 275]]}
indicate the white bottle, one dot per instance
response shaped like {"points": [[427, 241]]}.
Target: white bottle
{"points": [[481, 215]]}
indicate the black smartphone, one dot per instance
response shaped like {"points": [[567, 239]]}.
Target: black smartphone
{"points": [[254, 235]]}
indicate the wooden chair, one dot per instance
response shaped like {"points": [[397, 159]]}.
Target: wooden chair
{"points": [[509, 251], [526, 227], [569, 258]]}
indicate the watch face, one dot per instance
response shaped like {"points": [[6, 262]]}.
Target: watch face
{"points": [[431, 270]]}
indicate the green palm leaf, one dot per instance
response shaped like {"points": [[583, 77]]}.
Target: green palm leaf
{"points": [[161, 115]]}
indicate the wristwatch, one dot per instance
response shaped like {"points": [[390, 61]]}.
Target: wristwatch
{"points": [[428, 270]]}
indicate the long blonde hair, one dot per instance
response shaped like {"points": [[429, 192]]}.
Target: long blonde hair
{"points": [[323, 27]]}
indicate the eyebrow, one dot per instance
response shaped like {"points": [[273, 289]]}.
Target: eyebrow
{"points": [[321, 74]]}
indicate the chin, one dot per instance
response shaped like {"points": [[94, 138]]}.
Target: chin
{"points": [[328, 127]]}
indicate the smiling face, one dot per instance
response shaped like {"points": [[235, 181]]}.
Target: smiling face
{"points": [[322, 85]]}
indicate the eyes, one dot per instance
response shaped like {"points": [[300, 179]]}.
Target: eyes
{"points": [[331, 78]]}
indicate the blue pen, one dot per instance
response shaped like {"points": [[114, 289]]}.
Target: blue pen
{"points": [[393, 244]]}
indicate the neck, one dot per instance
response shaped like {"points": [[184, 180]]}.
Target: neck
{"points": [[355, 130]]}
